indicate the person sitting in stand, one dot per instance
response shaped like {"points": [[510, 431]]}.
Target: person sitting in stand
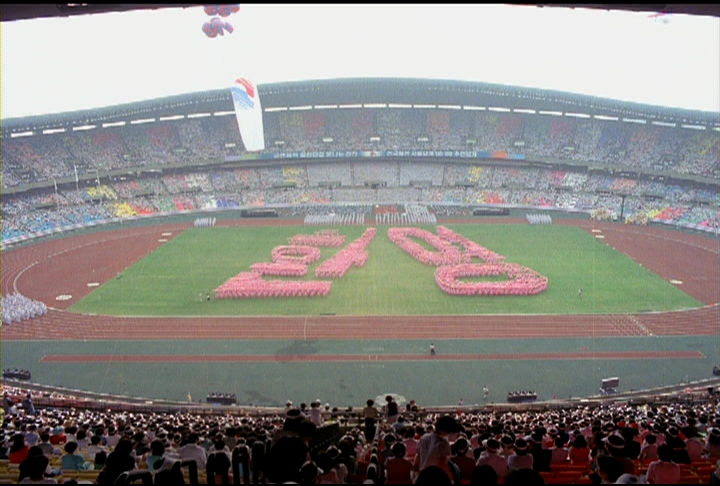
{"points": [[398, 468], [71, 461]]}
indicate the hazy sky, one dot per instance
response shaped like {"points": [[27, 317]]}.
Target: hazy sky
{"points": [[88, 61]]}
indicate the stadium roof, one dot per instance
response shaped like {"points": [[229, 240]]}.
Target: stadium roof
{"points": [[371, 91], [10, 12]]}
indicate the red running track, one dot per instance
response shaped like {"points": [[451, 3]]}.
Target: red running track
{"points": [[348, 358]]}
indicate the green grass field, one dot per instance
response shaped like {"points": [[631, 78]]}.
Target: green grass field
{"points": [[167, 282]]}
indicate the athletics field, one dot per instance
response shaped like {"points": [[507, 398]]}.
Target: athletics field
{"points": [[126, 316]]}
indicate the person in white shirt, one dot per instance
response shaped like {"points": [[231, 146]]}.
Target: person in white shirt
{"points": [[193, 452], [93, 448], [492, 458], [316, 413], [112, 438]]}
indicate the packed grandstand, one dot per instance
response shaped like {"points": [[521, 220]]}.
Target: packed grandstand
{"points": [[352, 152], [448, 146]]}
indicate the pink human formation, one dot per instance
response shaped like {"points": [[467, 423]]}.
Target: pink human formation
{"points": [[293, 261], [324, 238], [280, 269], [472, 249], [522, 280], [295, 254], [446, 253], [454, 264], [352, 255], [248, 285]]}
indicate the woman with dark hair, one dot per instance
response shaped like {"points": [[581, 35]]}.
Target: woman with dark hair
{"points": [[663, 471], [370, 414], [118, 461], [18, 450], [398, 469], [35, 466], [157, 452], [579, 452]]}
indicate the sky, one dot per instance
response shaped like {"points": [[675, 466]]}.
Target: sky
{"points": [[90, 61]]}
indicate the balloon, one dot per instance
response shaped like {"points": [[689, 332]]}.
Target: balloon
{"points": [[209, 29], [217, 26]]}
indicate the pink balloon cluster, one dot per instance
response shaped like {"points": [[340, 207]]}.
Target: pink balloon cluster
{"points": [[216, 25]]}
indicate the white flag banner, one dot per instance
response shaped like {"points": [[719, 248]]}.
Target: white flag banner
{"points": [[248, 112]]}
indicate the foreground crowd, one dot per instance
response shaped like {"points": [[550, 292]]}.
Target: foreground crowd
{"points": [[602, 445]]}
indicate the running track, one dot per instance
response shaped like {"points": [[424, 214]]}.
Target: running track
{"points": [[362, 358], [65, 266]]}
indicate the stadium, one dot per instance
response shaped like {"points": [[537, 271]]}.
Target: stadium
{"points": [[476, 248]]}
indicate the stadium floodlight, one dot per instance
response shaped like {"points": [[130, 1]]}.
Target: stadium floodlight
{"points": [[301, 108], [274, 109], [664, 124], [141, 121], [524, 110], [577, 115], [355, 105], [174, 117], [374, 105], [198, 115], [399, 105], [604, 117], [553, 113], [325, 107], [83, 128], [327, 140], [500, 109], [223, 113], [694, 127], [21, 134], [113, 124], [450, 107], [424, 106], [51, 131], [474, 108]]}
